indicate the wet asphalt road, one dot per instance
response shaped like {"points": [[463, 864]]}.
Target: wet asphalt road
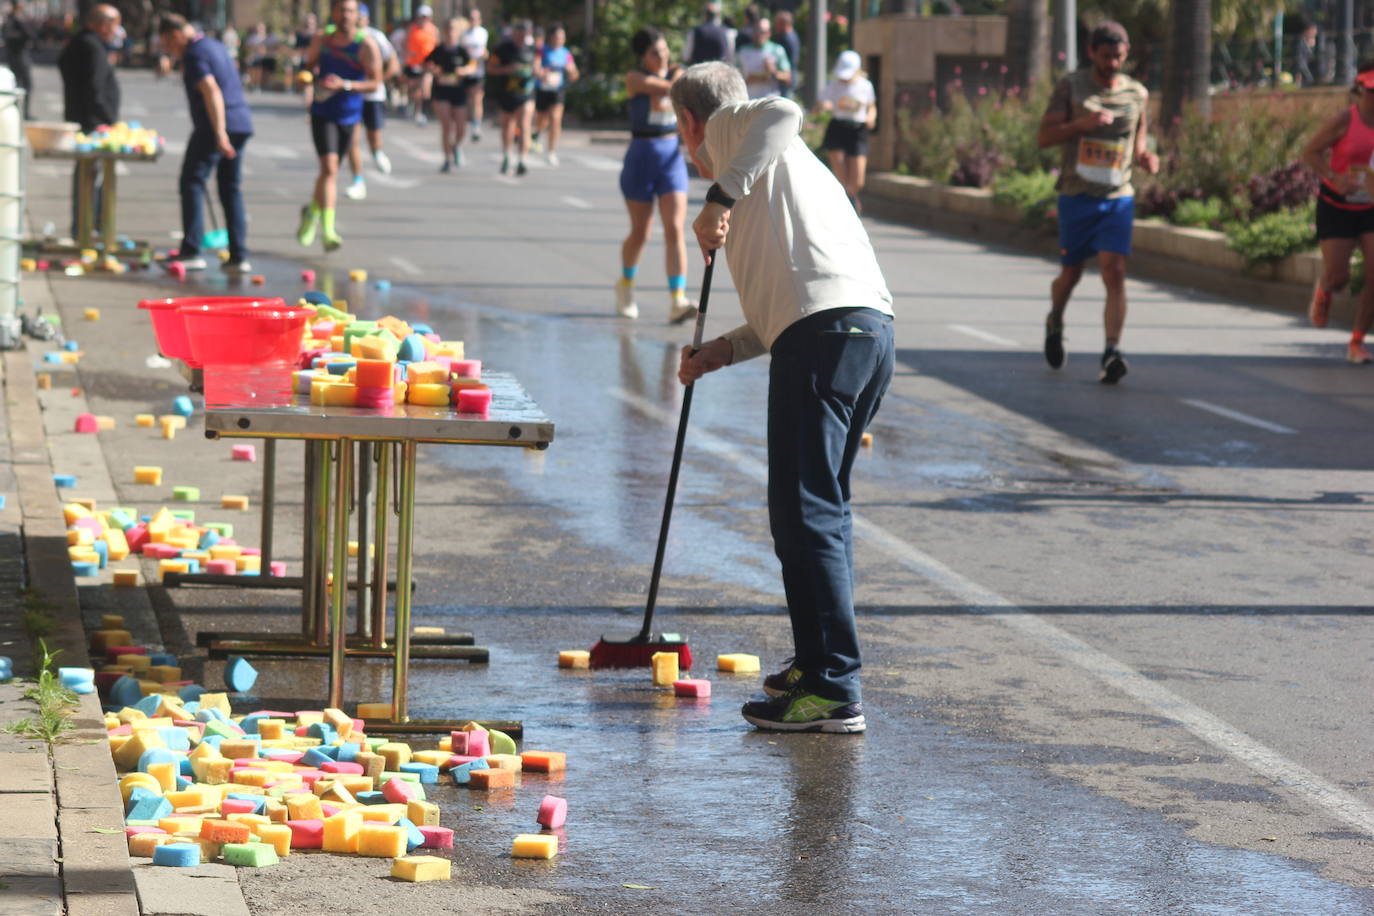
{"points": [[1118, 654]]}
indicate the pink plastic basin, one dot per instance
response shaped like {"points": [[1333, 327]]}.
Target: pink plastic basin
{"points": [[248, 351], [170, 326]]}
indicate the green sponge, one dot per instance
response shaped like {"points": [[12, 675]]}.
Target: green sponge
{"points": [[501, 743], [253, 855]]}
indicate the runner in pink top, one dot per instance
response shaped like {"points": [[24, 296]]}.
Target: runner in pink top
{"points": [[1342, 155]]}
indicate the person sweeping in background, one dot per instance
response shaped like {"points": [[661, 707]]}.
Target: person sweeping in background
{"points": [[813, 297]]}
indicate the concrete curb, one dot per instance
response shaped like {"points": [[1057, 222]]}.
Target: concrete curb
{"points": [[96, 872], [1195, 258]]}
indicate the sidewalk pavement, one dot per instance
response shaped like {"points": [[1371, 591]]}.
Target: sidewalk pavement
{"points": [[61, 816]]}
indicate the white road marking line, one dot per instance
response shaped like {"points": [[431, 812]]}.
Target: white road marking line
{"points": [[984, 335], [576, 202], [405, 266], [1263, 760], [599, 163], [414, 150], [391, 181], [273, 151], [281, 192], [1239, 417]]}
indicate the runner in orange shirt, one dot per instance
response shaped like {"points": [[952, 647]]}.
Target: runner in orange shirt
{"points": [[421, 39]]}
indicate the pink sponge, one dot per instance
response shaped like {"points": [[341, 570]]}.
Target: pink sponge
{"points": [[221, 567], [553, 811], [343, 766], [177, 269], [306, 834], [399, 792], [474, 400], [692, 687], [308, 277], [86, 423], [237, 806], [436, 837], [467, 368], [246, 452]]}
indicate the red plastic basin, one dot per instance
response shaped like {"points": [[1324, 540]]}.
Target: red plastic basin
{"points": [[248, 351], [170, 326]]}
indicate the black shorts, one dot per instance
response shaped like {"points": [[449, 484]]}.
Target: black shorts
{"points": [[413, 72], [848, 137], [331, 136], [265, 63], [454, 95], [473, 82], [511, 103], [374, 114], [544, 99], [1335, 222]]}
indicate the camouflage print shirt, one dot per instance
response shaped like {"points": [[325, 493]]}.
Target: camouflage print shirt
{"points": [[1099, 162]]}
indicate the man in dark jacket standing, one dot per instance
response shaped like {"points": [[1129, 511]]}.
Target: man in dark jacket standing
{"points": [[90, 91], [220, 126], [20, 34], [709, 41]]}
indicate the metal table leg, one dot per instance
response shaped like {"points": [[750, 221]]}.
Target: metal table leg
{"points": [[405, 542], [363, 585], [379, 563], [338, 630], [85, 203], [269, 503], [108, 215]]}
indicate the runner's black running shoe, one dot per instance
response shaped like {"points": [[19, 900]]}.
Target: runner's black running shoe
{"points": [[1114, 367], [1054, 343]]}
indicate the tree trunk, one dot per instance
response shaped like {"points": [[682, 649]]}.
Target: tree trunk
{"points": [[1028, 51], [1188, 60]]}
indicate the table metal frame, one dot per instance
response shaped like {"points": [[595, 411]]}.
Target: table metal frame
{"points": [[330, 434], [86, 164]]}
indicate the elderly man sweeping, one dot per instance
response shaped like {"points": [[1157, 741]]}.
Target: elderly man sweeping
{"points": [[814, 298]]}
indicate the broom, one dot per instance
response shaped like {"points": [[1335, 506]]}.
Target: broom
{"points": [[638, 650]]}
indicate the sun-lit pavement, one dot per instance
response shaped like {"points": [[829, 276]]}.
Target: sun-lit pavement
{"points": [[1118, 656]]}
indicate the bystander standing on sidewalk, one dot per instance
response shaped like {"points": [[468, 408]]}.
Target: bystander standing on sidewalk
{"points": [[787, 38], [710, 40], [90, 89], [764, 63], [220, 127], [20, 34], [1097, 117]]}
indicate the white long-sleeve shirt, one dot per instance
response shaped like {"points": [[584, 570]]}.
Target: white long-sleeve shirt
{"points": [[795, 245]]}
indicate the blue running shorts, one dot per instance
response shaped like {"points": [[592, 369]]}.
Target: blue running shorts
{"points": [[653, 167], [1090, 224]]}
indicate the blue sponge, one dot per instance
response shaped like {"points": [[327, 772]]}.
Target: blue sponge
{"points": [[462, 773], [419, 327], [315, 757], [209, 539], [177, 855], [66, 481], [156, 755], [324, 731], [162, 658], [148, 705], [414, 838], [182, 406], [149, 809], [86, 687], [383, 284], [126, 692], [239, 676], [102, 550], [370, 798], [190, 693], [71, 677], [84, 569], [348, 751], [138, 794], [52, 356], [315, 297], [412, 349], [71, 346], [175, 738], [428, 772]]}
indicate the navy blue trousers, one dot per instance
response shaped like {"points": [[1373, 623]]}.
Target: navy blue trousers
{"points": [[202, 158], [829, 373]]}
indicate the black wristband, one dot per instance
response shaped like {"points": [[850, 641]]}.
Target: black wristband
{"points": [[715, 195]]}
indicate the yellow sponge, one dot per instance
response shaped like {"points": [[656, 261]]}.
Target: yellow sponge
{"points": [[381, 840], [341, 832], [278, 836], [149, 475], [534, 846], [422, 868], [738, 663], [145, 419], [665, 668], [233, 502], [574, 658]]}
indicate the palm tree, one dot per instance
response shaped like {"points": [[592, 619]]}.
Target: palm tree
{"points": [[1188, 59]]}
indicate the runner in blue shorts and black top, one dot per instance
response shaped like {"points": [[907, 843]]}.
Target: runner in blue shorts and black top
{"points": [[654, 170], [1097, 116], [349, 65]]}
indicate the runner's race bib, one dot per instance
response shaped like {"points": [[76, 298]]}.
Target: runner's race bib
{"points": [[552, 80], [661, 113], [1362, 175], [1102, 161], [848, 104]]}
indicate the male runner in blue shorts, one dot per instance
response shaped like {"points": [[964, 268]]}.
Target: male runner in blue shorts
{"points": [[1097, 116]]}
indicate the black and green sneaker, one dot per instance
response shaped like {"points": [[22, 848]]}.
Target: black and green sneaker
{"points": [[1114, 367], [800, 711], [775, 685]]}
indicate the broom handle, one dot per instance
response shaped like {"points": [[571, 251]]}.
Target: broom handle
{"points": [[645, 633]]}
